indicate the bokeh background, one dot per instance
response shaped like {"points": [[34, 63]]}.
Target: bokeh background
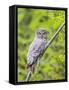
{"points": [[52, 64]]}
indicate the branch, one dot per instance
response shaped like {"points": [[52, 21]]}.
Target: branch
{"points": [[54, 36], [28, 76], [47, 45]]}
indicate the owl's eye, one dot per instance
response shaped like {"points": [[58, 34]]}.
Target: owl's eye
{"points": [[39, 33], [44, 33]]}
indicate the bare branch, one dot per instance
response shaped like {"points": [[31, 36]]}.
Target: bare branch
{"points": [[28, 76], [54, 36]]}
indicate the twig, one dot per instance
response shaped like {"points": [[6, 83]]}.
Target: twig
{"points": [[47, 45]]}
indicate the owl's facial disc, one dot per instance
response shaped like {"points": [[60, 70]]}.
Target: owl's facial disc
{"points": [[42, 34]]}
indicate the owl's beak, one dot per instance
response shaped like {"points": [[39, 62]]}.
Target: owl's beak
{"points": [[41, 35]]}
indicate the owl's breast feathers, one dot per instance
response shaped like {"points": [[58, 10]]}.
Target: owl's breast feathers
{"points": [[35, 50]]}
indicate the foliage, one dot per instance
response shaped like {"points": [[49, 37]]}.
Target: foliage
{"points": [[52, 64]]}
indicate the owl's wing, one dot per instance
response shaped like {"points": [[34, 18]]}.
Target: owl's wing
{"points": [[35, 51], [38, 49]]}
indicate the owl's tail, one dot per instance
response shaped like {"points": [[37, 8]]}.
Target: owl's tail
{"points": [[31, 69]]}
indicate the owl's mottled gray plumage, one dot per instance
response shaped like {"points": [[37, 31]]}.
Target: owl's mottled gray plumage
{"points": [[36, 48]]}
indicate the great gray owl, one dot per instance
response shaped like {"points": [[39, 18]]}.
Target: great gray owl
{"points": [[36, 48]]}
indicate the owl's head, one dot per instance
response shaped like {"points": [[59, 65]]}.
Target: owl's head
{"points": [[41, 33]]}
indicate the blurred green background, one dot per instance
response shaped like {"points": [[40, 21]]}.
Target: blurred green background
{"points": [[52, 64]]}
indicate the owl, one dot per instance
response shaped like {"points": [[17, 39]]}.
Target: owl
{"points": [[36, 49]]}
